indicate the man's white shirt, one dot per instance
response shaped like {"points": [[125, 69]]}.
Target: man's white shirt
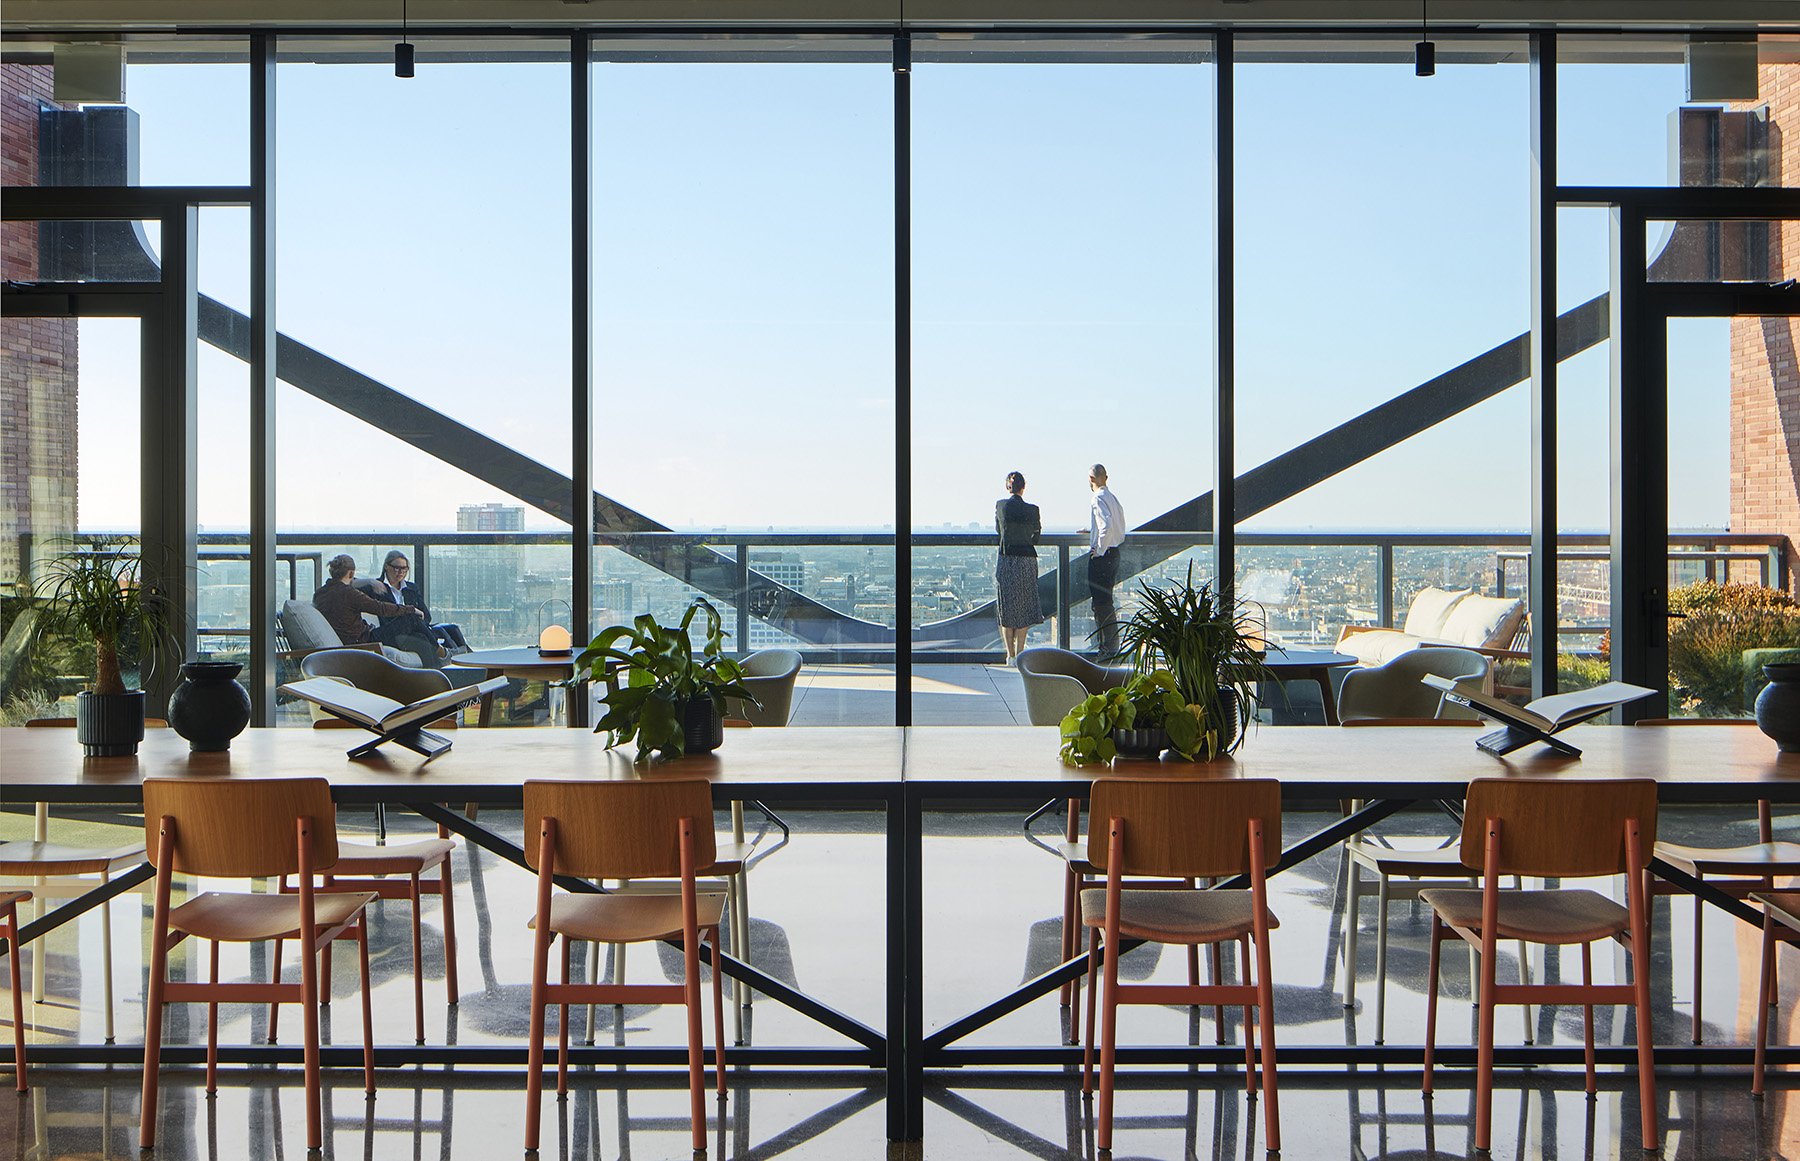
{"points": [[1106, 526]]}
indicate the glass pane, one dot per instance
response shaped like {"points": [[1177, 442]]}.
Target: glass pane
{"points": [[1631, 111], [1383, 422], [184, 120], [743, 382], [1732, 505], [1062, 301], [1699, 251], [436, 385]]}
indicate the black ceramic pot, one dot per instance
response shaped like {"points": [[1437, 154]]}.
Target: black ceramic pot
{"points": [[703, 730], [209, 707], [1228, 724], [1140, 744], [1778, 706], [109, 725]]}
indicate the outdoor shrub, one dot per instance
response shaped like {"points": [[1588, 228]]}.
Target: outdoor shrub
{"points": [[1722, 622]]}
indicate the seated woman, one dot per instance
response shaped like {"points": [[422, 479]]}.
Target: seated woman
{"points": [[343, 605], [396, 586]]}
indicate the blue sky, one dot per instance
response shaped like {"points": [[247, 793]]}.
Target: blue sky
{"points": [[1062, 267]]}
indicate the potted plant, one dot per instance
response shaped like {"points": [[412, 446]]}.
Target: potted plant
{"points": [[1090, 730], [95, 595], [1211, 650], [669, 701]]}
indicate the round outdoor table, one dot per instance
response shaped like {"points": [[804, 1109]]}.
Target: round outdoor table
{"points": [[1298, 665], [527, 664]]}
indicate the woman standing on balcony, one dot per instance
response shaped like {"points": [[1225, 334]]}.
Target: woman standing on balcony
{"points": [[1015, 576]]}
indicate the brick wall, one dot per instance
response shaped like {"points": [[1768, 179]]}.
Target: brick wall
{"points": [[38, 398], [1765, 383]]}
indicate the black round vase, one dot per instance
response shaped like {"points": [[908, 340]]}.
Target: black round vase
{"points": [[109, 725], [1778, 706], [703, 730], [209, 707]]}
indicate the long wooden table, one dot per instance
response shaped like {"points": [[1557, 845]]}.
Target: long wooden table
{"points": [[907, 773]]}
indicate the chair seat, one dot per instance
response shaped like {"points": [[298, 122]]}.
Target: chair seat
{"points": [[33, 858], [1754, 859], [237, 918], [627, 918], [1783, 905], [1556, 917], [405, 859], [1175, 916], [1434, 864]]}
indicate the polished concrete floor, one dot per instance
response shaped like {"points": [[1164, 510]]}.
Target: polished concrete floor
{"points": [[993, 903]]}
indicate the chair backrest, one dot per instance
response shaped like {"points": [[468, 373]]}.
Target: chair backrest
{"points": [[1550, 827], [620, 830], [1412, 722], [1393, 690], [375, 673], [1185, 827], [1047, 659], [769, 674], [1695, 722], [306, 627], [241, 828]]}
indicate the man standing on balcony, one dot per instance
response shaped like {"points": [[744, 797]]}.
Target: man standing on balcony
{"points": [[1106, 532]]}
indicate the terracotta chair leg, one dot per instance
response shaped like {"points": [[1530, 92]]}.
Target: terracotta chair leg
{"points": [[1249, 1022], [1109, 1039], [1484, 1052], [1762, 1005], [562, 1028], [1216, 965], [1640, 981], [1093, 974], [368, 1015], [309, 1022], [1265, 1006], [696, 1064], [447, 892], [718, 992], [1431, 998], [534, 1072]]}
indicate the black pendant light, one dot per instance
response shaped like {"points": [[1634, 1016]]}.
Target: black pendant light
{"points": [[403, 52], [1424, 52]]}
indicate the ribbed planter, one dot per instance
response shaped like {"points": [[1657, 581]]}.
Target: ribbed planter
{"points": [[209, 707], [109, 725], [1140, 745], [703, 730], [1778, 706]]}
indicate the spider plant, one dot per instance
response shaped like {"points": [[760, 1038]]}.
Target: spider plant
{"points": [[95, 595], [1211, 648]]}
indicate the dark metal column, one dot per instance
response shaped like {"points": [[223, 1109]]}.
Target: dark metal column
{"points": [[260, 680], [1540, 591], [1224, 482], [903, 635], [169, 435], [1640, 499], [581, 370]]}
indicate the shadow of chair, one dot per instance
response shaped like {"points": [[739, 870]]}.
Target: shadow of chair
{"points": [[261, 828], [1744, 869], [1182, 830], [1543, 828], [622, 830]]}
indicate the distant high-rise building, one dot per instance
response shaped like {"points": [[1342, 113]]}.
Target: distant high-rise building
{"points": [[490, 518]]}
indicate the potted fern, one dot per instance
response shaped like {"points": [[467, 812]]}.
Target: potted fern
{"points": [[669, 701], [95, 595], [1211, 650]]}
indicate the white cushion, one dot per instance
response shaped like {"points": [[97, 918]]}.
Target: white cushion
{"points": [[306, 627], [1377, 645], [1430, 609], [1484, 622]]}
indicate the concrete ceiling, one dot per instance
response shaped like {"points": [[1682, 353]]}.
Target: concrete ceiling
{"points": [[1623, 15]]}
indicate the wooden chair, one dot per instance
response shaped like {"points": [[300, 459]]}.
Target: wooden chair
{"points": [[1746, 869], [43, 861], [1781, 910], [622, 830], [1543, 828], [255, 828], [9, 930], [1182, 829]]}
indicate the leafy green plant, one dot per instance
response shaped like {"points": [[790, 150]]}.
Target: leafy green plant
{"points": [[1159, 705], [1087, 730], [661, 676], [95, 595], [1206, 645]]}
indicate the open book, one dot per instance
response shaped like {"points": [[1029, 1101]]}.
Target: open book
{"points": [[1540, 719], [387, 717]]}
